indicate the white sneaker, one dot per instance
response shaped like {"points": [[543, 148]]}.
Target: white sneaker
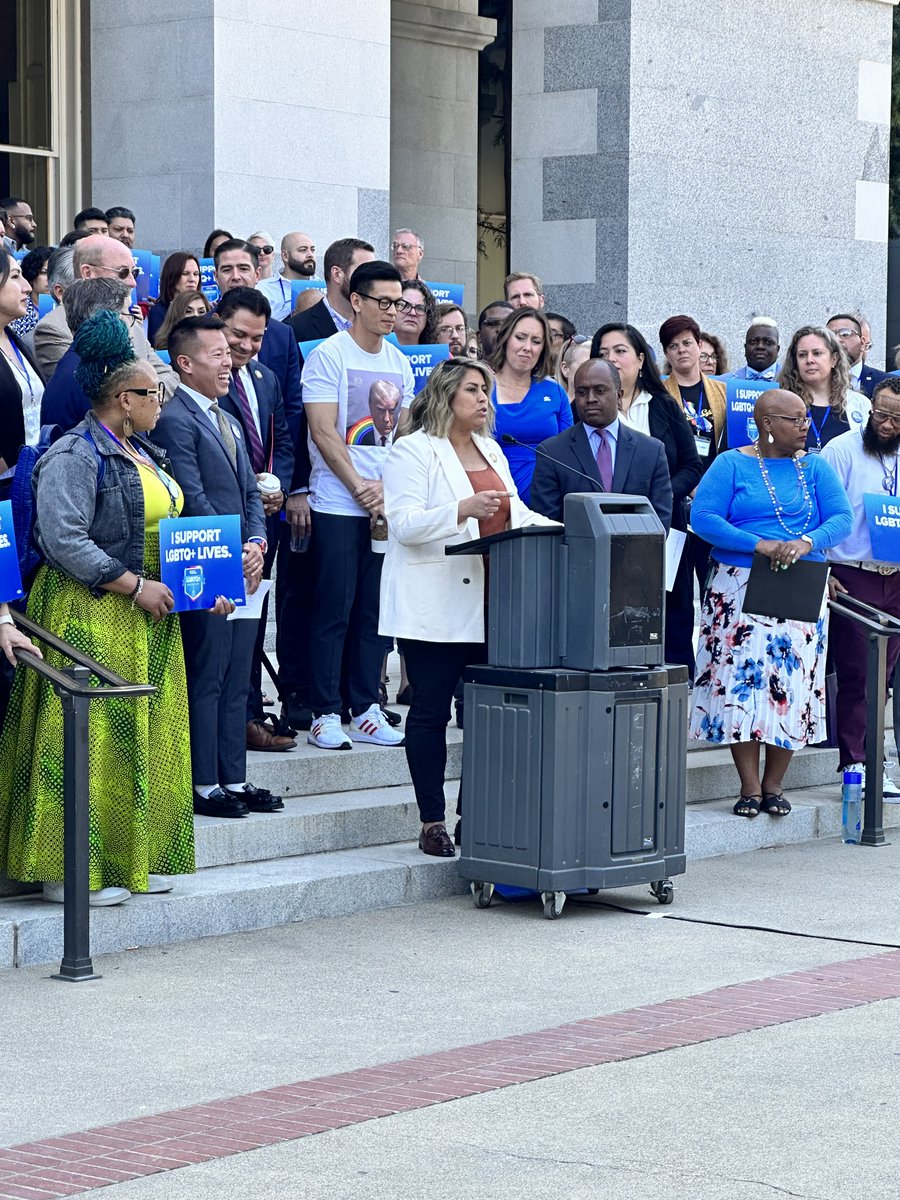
{"points": [[54, 893], [890, 789], [327, 734], [157, 884], [373, 726]]}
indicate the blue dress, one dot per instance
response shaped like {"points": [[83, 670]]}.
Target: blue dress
{"points": [[543, 412]]}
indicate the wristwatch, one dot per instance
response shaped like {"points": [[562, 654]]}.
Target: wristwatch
{"points": [[261, 542], [6, 619], [804, 537]]}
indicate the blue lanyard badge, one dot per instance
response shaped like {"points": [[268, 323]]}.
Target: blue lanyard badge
{"points": [[818, 430]]}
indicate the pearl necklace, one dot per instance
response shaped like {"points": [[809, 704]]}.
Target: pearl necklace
{"points": [[781, 510]]}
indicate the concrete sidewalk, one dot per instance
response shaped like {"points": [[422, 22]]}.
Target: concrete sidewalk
{"points": [[790, 1105]]}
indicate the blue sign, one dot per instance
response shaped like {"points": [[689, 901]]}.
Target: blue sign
{"points": [[306, 348], [208, 285], [304, 285], [144, 260], [422, 359], [10, 576], [164, 355], [201, 559], [741, 396], [447, 293], [883, 517], [45, 303]]}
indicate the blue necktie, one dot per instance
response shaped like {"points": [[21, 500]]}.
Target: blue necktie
{"points": [[766, 375]]}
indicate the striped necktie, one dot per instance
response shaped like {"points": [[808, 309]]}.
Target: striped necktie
{"points": [[257, 452], [226, 431]]}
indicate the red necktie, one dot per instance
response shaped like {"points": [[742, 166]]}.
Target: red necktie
{"points": [[257, 453], [604, 462]]}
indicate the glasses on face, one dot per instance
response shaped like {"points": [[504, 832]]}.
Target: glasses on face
{"points": [[492, 322], [385, 304], [448, 330], [844, 334], [404, 246], [122, 273], [797, 422], [154, 392], [419, 309], [708, 358], [557, 335], [266, 249], [886, 418]]}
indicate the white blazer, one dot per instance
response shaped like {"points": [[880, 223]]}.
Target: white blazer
{"points": [[425, 595]]}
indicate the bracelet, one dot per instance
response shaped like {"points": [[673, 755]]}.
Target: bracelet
{"points": [[6, 619], [138, 588]]}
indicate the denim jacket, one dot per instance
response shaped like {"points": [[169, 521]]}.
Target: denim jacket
{"points": [[95, 534]]}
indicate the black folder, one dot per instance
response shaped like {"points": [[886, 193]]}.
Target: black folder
{"points": [[792, 595]]}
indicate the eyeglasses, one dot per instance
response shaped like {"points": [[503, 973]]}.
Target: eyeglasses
{"points": [[843, 334], [385, 304], [122, 272], [885, 418], [557, 335], [797, 422], [447, 329], [404, 245], [419, 309], [708, 358], [265, 249], [154, 392], [492, 322]]}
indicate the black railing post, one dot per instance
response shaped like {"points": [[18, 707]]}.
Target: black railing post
{"points": [[876, 689], [76, 964]]}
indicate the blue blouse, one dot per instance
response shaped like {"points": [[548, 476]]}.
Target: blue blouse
{"points": [[733, 509], [543, 412]]}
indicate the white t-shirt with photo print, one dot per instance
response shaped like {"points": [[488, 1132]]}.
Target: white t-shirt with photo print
{"points": [[369, 390]]}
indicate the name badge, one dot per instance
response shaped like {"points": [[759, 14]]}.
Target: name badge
{"points": [[883, 519]]}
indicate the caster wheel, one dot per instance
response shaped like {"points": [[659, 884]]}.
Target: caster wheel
{"points": [[482, 894], [664, 891], [553, 904]]}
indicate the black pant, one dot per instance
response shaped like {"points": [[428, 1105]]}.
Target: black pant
{"points": [[294, 590], [254, 697], [345, 612], [434, 669]]}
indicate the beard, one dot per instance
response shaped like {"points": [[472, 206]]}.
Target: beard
{"points": [[304, 267], [874, 445]]}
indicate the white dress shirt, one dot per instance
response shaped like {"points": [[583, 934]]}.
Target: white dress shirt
{"points": [[246, 377], [860, 473]]}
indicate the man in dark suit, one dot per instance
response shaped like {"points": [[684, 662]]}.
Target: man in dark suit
{"points": [[209, 459], [254, 398], [848, 329], [293, 591], [612, 456]]}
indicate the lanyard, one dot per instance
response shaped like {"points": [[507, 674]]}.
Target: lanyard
{"points": [[818, 430], [697, 419], [889, 483], [134, 452], [23, 369]]}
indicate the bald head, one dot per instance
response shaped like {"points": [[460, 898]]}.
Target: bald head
{"points": [[597, 391], [782, 421], [778, 400], [99, 256], [298, 254]]}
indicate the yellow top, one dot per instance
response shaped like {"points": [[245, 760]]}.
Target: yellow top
{"points": [[158, 500]]}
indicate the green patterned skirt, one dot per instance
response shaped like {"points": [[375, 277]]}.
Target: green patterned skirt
{"points": [[141, 800]]}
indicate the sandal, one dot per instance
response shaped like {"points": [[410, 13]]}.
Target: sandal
{"points": [[775, 804], [747, 806]]}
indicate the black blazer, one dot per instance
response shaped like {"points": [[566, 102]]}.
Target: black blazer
{"points": [[12, 418], [869, 378], [669, 425], [276, 437], [315, 322], [640, 470]]}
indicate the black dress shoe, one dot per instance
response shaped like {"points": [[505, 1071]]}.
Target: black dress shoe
{"points": [[436, 841], [256, 799], [457, 833], [220, 803], [393, 718], [295, 713], [405, 695]]}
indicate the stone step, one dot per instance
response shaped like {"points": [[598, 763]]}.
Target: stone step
{"points": [[259, 895]]}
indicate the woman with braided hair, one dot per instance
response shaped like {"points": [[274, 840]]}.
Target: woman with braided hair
{"points": [[101, 491]]}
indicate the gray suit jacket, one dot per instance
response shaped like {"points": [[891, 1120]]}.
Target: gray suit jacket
{"points": [[200, 463], [53, 337]]}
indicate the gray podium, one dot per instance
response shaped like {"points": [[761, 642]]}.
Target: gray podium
{"points": [[574, 755]]}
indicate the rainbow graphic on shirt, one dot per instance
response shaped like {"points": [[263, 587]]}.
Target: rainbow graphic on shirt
{"points": [[357, 432]]}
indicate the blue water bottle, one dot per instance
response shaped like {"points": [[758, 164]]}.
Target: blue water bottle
{"points": [[851, 807]]}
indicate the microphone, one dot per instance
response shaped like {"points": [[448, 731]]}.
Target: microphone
{"points": [[509, 440]]}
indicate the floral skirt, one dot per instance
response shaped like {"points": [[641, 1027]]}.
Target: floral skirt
{"points": [[758, 679]]}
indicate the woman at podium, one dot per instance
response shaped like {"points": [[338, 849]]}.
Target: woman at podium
{"points": [[446, 482], [761, 678]]}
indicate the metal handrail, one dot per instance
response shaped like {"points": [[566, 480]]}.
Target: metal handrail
{"points": [[75, 690], [880, 626]]}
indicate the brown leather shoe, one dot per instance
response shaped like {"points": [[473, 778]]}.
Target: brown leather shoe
{"points": [[261, 737], [436, 840]]}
